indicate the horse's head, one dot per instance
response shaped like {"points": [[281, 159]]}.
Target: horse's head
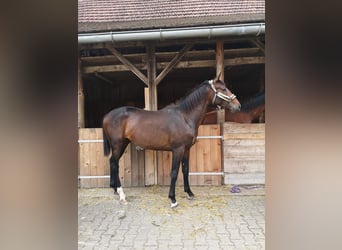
{"points": [[223, 97]]}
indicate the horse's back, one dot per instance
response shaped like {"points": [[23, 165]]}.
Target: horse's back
{"points": [[114, 121]]}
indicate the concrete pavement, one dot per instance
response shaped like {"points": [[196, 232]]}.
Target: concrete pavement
{"points": [[215, 219]]}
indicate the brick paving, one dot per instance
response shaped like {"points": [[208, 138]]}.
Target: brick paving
{"points": [[215, 219]]}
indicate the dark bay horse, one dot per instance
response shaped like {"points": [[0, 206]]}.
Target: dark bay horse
{"points": [[173, 128], [250, 112]]}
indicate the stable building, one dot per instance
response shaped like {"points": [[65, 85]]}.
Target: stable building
{"points": [[148, 54]]}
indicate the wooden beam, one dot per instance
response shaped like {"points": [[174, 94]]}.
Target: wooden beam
{"points": [[103, 78], [173, 63], [151, 167], [220, 71], [81, 120], [220, 59], [128, 64], [151, 74], [260, 45], [167, 56], [107, 68], [183, 64]]}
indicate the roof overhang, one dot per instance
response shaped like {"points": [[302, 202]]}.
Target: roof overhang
{"points": [[209, 32]]}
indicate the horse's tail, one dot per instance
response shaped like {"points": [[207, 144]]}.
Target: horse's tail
{"points": [[106, 145]]}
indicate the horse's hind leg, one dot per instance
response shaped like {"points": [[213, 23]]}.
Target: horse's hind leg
{"points": [[117, 152], [185, 170], [177, 155], [112, 168]]}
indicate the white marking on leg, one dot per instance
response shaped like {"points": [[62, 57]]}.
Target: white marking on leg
{"points": [[173, 205], [121, 194]]}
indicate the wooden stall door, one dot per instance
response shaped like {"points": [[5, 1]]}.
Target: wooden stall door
{"points": [[244, 153], [205, 159], [94, 166]]}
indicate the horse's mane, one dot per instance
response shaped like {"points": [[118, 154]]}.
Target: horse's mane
{"points": [[254, 102], [193, 98]]}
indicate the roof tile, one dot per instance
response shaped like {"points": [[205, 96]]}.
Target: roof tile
{"points": [[115, 13]]}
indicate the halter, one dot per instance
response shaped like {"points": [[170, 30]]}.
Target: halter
{"points": [[220, 95]]}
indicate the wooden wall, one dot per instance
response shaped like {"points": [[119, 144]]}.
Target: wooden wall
{"points": [[238, 159], [205, 157], [244, 153], [205, 160]]}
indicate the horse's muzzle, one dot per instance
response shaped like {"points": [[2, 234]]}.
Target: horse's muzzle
{"points": [[234, 107]]}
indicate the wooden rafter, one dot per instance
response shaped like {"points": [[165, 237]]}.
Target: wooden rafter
{"points": [[128, 64], [173, 63], [260, 45]]}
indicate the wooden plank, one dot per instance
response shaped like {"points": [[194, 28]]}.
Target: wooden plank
{"points": [[193, 179], [246, 178], [141, 168], [200, 158], [215, 152], [149, 167], [241, 151], [244, 142], [160, 168], [251, 136], [99, 158], [127, 167], [249, 165], [207, 157], [233, 127], [137, 159], [134, 165], [84, 159], [92, 157]]}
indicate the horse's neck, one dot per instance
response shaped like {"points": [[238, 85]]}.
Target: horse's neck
{"points": [[196, 115]]}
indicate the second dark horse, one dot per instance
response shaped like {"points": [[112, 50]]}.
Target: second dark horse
{"points": [[173, 128]]}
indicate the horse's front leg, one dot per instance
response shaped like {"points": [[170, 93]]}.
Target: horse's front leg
{"points": [[177, 155], [185, 170]]}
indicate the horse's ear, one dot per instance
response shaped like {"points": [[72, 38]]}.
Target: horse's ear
{"points": [[218, 77]]}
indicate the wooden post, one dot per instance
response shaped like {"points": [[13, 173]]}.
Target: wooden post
{"points": [[151, 167], [151, 75], [220, 69], [80, 97]]}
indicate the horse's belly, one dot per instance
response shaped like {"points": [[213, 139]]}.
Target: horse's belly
{"points": [[160, 141], [163, 133]]}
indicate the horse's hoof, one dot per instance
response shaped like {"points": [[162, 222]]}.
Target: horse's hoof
{"points": [[173, 205], [191, 197], [123, 202]]}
